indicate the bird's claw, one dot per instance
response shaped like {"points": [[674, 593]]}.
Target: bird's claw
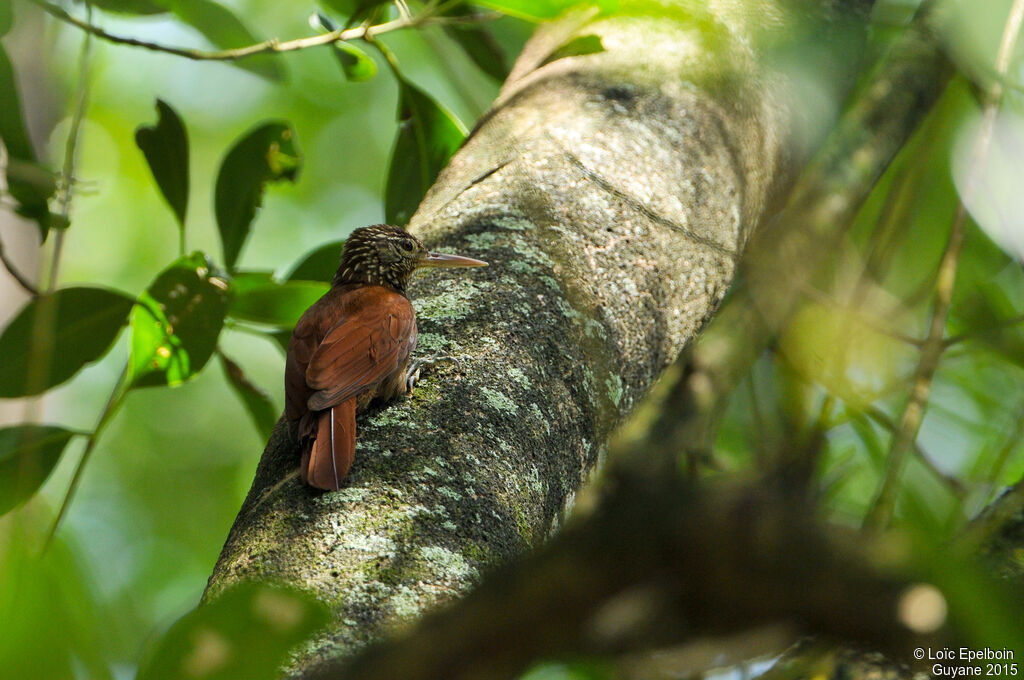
{"points": [[412, 376]]}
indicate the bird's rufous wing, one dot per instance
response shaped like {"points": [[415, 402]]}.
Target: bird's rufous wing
{"points": [[300, 350], [363, 349]]}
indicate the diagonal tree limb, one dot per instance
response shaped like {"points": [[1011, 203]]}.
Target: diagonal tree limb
{"points": [[611, 193]]}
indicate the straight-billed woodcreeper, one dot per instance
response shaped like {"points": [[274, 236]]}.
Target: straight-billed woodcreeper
{"points": [[353, 345]]}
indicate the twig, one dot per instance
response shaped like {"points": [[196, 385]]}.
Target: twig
{"points": [[29, 287], [881, 511], [113, 402], [68, 171], [955, 485], [273, 45]]}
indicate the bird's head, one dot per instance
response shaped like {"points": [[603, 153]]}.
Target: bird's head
{"points": [[385, 255]]}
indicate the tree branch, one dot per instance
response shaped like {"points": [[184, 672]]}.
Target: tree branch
{"points": [[273, 45]]}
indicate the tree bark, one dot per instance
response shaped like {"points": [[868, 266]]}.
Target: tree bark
{"points": [[612, 193]]}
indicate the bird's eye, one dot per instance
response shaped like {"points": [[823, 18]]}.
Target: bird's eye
{"points": [[407, 245]]}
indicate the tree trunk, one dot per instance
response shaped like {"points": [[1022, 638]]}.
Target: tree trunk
{"points": [[612, 193]]}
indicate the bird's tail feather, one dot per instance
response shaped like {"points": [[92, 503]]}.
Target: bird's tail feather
{"points": [[325, 464]]}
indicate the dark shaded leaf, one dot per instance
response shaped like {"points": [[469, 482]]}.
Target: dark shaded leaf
{"points": [[584, 44], [177, 322], [320, 264], [165, 146], [249, 629], [27, 182], [987, 316], [478, 44], [267, 154], [28, 454], [221, 27], [428, 135], [277, 304], [257, 402], [243, 282], [282, 338], [54, 336]]}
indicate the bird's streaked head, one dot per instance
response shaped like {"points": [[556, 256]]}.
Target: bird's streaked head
{"points": [[384, 255]]}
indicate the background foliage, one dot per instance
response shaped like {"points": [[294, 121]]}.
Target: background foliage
{"points": [[179, 214]]}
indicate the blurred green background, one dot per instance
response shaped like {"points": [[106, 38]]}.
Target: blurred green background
{"points": [[164, 483]]}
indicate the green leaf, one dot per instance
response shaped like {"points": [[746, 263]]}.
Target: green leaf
{"points": [[579, 46], [542, 10], [356, 10], [165, 146], [428, 135], [221, 27], [6, 17], [320, 264], [257, 402], [55, 335], [28, 454], [177, 322], [27, 182], [277, 304], [139, 7], [478, 44], [268, 153], [356, 64], [246, 632]]}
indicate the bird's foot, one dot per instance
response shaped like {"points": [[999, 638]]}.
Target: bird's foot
{"points": [[412, 375]]}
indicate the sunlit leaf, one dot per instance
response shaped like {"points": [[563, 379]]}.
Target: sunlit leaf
{"points": [[541, 10], [277, 304], [246, 632], [320, 264], [177, 322], [267, 154], [28, 454], [27, 182], [577, 47], [355, 63], [428, 135], [220, 26], [54, 336], [257, 402], [165, 146]]}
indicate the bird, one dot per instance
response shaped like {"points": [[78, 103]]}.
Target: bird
{"points": [[352, 347]]}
